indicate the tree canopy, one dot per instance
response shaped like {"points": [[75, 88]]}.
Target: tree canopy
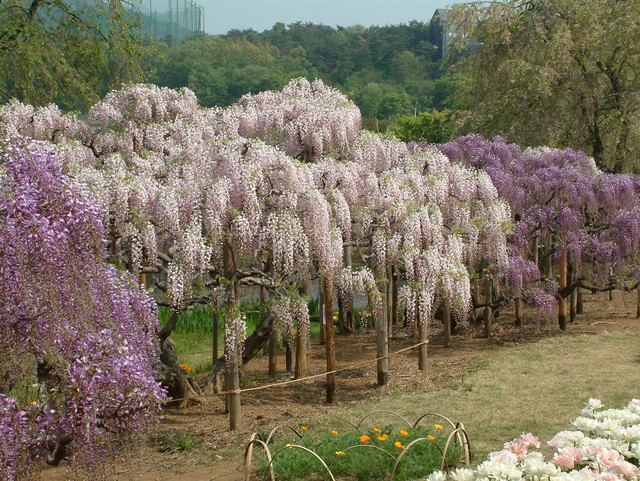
{"points": [[67, 52], [554, 72]]}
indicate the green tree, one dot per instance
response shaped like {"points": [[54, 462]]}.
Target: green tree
{"points": [[556, 72], [67, 52], [432, 127]]}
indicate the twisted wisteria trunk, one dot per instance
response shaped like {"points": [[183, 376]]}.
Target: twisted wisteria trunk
{"points": [[179, 386]]}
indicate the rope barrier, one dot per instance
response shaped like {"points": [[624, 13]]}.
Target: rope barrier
{"points": [[302, 379]]}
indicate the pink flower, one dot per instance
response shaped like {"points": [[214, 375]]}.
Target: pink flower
{"points": [[503, 457], [531, 440], [609, 457], [624, 468], [567, 457], [518, 447]]}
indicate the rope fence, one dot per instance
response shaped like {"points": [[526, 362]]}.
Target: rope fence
{"points": [[302, 379]]}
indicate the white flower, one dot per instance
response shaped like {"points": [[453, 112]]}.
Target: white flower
{"points": [[463, 474], [437, 476], [566, 438], [538, 468], [585, 424], [497, 470]]}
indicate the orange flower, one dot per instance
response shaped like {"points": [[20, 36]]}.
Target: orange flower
{"points": [[364, 439], [438, 426], [403, 433], [399, 445], [186, 367], [339, 453], [334, 433], [376, 430], [304, 429], [383, 437], [431, 438]]}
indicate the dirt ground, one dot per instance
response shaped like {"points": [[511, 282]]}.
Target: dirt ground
{"points": [[214, 457]]}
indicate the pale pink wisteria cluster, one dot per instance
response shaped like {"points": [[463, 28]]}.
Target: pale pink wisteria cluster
{"points": [[603, 445]]}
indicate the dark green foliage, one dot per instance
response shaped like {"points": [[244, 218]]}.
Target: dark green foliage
{"points": [[387, 71], [432, 127]]}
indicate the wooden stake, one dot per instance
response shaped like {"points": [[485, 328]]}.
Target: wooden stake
{"points": [[330, 347]]}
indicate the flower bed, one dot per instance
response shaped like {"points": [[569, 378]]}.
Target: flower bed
{"points": [[604, 444], [362, 451]]}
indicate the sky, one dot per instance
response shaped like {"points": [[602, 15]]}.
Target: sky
{"points": [[224, 15]]}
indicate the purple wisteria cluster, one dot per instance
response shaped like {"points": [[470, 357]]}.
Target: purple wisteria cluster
{"points": [[564, 202], [78, 339]]}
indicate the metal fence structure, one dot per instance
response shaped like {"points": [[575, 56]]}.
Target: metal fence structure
{"points": [[171, 20]]}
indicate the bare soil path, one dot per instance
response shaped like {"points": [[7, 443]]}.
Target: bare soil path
{"points": [[216, 455]]}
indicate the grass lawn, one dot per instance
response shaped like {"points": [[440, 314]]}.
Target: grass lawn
{"points": [[538, 387]]}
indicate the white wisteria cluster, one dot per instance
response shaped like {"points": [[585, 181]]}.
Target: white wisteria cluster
{"points": [[604, 445]]}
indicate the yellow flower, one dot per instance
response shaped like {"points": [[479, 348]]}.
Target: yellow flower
{"points": [[288, 446], [304, 429], [334, 433], [403, 433], [431, 438], [399, 445], [376, 430], [383, 437], [438, 426], [364, 439], [339, 453]]}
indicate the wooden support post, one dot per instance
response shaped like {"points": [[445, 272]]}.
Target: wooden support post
{"points": [[389, 302], [579, 301], [323, 315], [233, 363], [394, 297], [562, 283], [288, 353], [422, 337], [488, 311], [329, 342], [346, 322], [382, 334], [273, 349], [215, 334], [446, 324], [548, 259], [301, 340], [517, 305]]}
